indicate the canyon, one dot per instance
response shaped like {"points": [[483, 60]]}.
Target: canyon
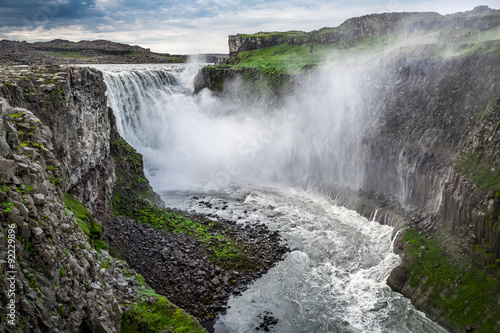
{"points": [[415, 145]]}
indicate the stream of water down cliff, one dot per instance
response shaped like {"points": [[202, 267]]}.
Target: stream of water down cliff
{"points": [[253, 164]]}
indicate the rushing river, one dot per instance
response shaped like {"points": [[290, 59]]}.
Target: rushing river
{"points": [[201, 149]]}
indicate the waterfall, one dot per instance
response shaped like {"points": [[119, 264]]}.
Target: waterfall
{"points": [[202, 141]]}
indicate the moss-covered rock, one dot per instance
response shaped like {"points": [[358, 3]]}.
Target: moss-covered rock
{"points": [[157, 314]]}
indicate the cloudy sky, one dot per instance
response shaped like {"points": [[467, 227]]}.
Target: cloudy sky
{"points": [[191, 26]]}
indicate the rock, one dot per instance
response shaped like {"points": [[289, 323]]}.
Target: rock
{"points": [[5, 170], [102, 325], [39, 199], [37, 233], [22, 168], [215, 281], [398, 277], [23, 210], [97, 288], [29, 199], [26, 233]]}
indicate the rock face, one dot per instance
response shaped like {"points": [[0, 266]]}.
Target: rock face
{"points": [[56, 278], [471, 197], [72, 103], [427, 110]]}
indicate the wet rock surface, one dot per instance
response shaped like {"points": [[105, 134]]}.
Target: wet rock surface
{"points": [[266, 322]]}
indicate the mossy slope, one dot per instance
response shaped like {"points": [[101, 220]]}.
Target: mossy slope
{"points": [[157, 314], [447, 286]]}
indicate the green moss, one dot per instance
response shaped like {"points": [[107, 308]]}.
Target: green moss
{"points": [[29, 247], [462, 295], [158, 317], [18, 115], [105, 263], [480, 171], [55, 181], [140, 280], [90, 227], [8, 206]]}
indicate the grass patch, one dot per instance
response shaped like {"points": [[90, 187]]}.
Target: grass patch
{"points": [[480, 171], [90, 227], [158, 317], [462, 295], [294, 59]]}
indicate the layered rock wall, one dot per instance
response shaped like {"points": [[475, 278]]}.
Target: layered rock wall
{"points": [[51, 278], [72, 102]]}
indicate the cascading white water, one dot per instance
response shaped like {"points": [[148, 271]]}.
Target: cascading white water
{"points": [[200, 141], [334, 278], [224, 150]]}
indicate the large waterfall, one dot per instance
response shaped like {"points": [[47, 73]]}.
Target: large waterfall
{"points": [[263, 164], [200, 141]]}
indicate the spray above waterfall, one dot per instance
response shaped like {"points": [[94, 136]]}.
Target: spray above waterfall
{"points": [[202, 141]]}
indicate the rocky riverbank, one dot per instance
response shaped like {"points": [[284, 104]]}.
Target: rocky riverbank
{"points": [[182, 268]]}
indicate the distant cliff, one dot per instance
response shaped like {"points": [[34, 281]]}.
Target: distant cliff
{"points": [[349, 33], [60, 51]]}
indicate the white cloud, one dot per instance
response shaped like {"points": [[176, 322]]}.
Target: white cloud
{"points": [[203, 26]]}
